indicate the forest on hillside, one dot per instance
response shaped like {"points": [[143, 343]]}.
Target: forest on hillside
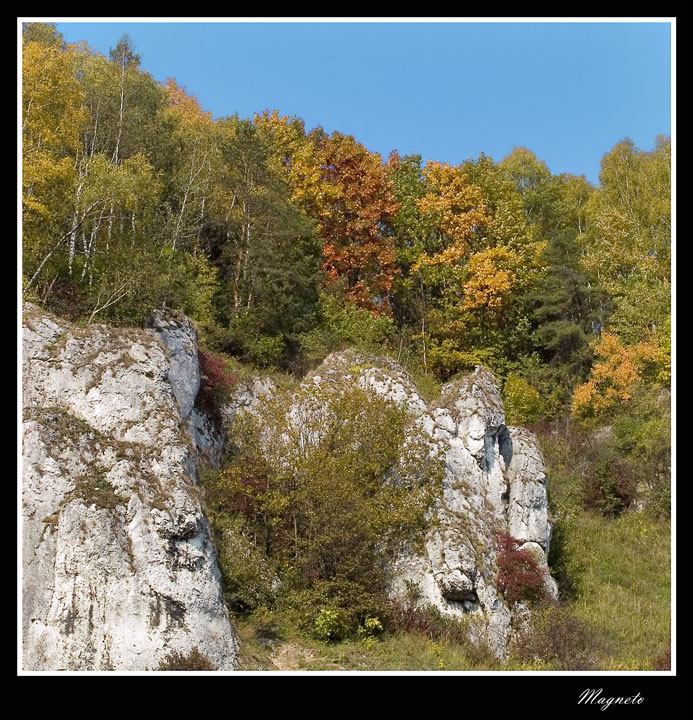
{"points": [[285, 244]]}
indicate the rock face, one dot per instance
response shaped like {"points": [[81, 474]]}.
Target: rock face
{"points": [[494, 484], [118, 567]]}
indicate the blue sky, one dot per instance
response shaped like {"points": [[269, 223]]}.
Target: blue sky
{"points": [[448, 91]]}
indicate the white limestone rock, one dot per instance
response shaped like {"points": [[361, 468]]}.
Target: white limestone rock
{"points": [[179, 338], [118, 567], [206, 436], [246, 396], [528, 516]]}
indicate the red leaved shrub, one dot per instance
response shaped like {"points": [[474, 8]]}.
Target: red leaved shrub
{"points": [[519, 575], [215, 381]]}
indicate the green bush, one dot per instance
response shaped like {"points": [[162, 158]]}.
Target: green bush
{"points": [[266, 351], [522, 402], [331, 624], [327, 495], [344, 324], [371, 627], [248, 576]]}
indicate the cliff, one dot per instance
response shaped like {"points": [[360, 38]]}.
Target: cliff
{"points": [[118, 567]]}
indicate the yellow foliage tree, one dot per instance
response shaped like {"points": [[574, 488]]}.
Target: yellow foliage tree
{"points": [[457, 208], [52, 117], [185, 106], [301, 160], [615, 376], [196, 160], [491, 278]]}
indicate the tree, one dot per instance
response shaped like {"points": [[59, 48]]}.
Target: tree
{"points": [[42, 33], [566, 306], [190, 175], [629, 231], [480, 257], [614, 378], [355, 250], [52, 117], [124, 57], [457, 209], [126, 108], [626, 247], [264, 247], [530, 176], [347, 191]]}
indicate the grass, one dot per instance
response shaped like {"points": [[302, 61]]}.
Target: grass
{"points": [[275, 644], [623, 584], [615, 573]]}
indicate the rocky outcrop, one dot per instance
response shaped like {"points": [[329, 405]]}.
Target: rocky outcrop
{"points": [[494, 484], [118, 567]]}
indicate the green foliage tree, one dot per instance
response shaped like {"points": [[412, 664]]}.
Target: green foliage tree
{"points": [[264, 247]]}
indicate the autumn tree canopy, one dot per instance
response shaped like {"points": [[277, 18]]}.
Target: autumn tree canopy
{"points": [[283, 242]]}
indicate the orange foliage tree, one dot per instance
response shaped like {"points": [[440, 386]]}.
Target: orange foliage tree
{"points": [[354, 248], [346, 189]]}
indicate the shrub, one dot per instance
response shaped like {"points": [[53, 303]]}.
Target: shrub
{"points": [[194, 660], [329, 493], [243, 488], [563, 567], [265, 351], [371, 627], [353, 600], [519, 575], [557, 637], [611, 486], [345, 324], [331, 624], [248, 576], [523, 404], [215, 382]]}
